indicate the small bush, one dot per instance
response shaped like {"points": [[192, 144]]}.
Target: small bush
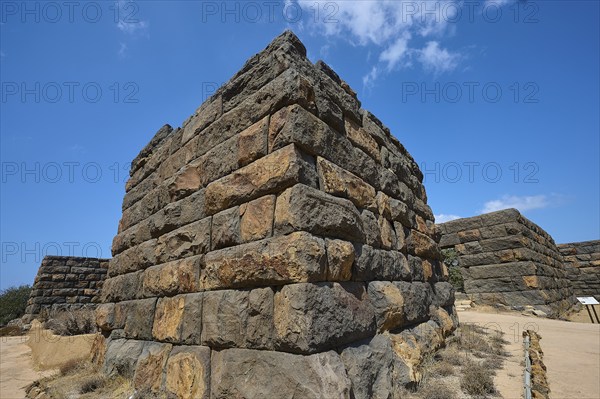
{"points": [[10, 331], [450, 258], [72, 322], [436, 390], [70, 367], [92, 384], [13, 302], [442, 368], [477, 380], [146, 393]]}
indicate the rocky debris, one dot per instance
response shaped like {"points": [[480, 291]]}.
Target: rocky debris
{"points": [[272, 241], [506, 260], [66, 283], [540, 388]]}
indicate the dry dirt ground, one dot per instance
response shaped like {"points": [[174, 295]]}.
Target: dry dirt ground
{"points": [[16, 367], [571, 353]]}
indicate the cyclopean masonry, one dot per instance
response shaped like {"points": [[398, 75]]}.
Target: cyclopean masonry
{"points": [[279, 244], [582, 261], [506, 259], [65, 283]]}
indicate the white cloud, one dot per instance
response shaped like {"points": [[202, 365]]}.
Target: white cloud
{"points": [[437, 59], [394, 54], [498, 3], [524, 203], [128, 21], [132, 27], [390, 25], [443, 218], [370, 78]]}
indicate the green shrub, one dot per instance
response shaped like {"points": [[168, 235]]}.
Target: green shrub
{"points": [[13, 302], [455, 277]]}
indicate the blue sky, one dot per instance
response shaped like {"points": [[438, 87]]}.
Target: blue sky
{"points": [[497, 101]]}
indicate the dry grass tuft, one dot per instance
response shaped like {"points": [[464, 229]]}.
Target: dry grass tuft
{"points": [[72, 322], [437, 390], [477, 380]]}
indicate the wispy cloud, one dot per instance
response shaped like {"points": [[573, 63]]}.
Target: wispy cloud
{"points": [[122, 49], [522, 203], [437, 59], [129, 24], [128, 21], [396, 27], [443, 218]]}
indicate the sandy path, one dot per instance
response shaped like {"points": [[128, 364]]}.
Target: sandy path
{"points": [[571, 354], [16, 369]]}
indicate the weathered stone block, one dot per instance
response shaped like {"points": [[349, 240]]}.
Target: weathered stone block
{"points": [[251, 374], [336, 181], [176, 277], [257, 218], [297, 257], [190, 240], [122, 288], [340, 258], [374, 368], [139, 318], [253, 142], [122, 356], [150, 366], [308, 209], [267, 175], [360, 138], [188, 372], [375, 264], [317, 317], [178, 319], [242, 319], [226, 228], [421, 245]]}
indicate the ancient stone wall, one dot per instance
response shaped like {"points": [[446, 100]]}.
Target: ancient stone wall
{"points": [[506, 259], [277, 245], [66, 283], [582, 262]]}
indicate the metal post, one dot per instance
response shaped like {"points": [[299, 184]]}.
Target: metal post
{"points": [[527, 387]]}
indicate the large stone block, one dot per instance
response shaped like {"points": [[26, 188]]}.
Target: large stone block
{"points": [[315, 317], [190, 240], [139, 318], [257, 218], [150, 366], [178, 319], [122, 288], [267, 175], [422, 245], [374, 368], [308, 209], [187, 374], [176, 277], [340, 258], [240, 319], [298, 257], [337, 181], [376, 264], [226, 228], [122, 357], [251, 374]]}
